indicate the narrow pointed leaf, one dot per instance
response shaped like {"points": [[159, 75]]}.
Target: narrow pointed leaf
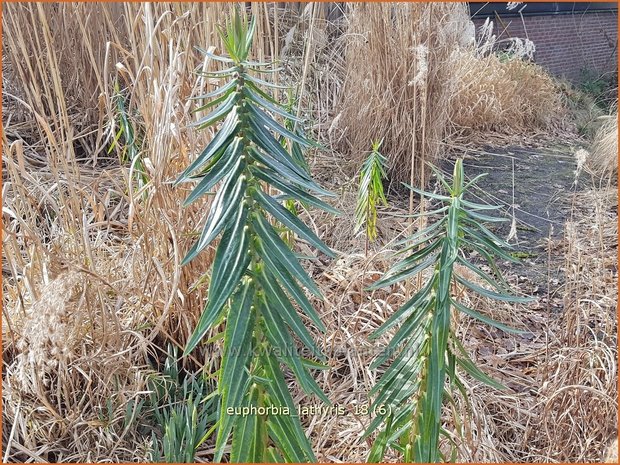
{"points": [[228, 162], [217, 145], [277, 127], [279, 337], [405, 310], [220, 90], [248, 438], [270, 106], [270, 145], [286, 172], [291, 221], [278, 300], [219, 113], [485, 319], [276, 248], [260, 82], [490, 294], [292, 287], [231, 262], [289, 189], [222, 210], [235, 360]]}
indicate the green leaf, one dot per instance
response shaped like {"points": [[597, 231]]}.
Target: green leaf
{"points": [[273, 456], [268, 144], [220, 90], [270, 106], [276, 248], [501, 286], [272, 124], [220, 73], [279, 337], [295, 193], [412, 332], [377, 451], [249, 435], [223, 208], [423, 234], [406, 273], [217, 145], [235, 362], [214, 102], [260, 82], [277, 299], [478, 241], [440, 177], [402, 384], [466, 363], [227, 163], [485, 319], [213, 56], [292, 287], [231, 262], [264, 95], [405, 310], [479, 206], [477, 216], [294, 445], [291, 221], [427, 194], [487, 256], [490, 294], [217, 114], [285, 171], [498, 242]]}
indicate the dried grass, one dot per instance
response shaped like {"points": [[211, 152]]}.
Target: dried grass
{"points": [[502, 96], [578, 401], [417, 77], [604, 154], [398, 81]]}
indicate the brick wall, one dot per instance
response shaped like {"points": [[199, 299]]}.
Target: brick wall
{"points": [[567, 43]]}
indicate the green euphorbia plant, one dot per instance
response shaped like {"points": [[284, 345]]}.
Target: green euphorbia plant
{"points": [[256, 278], [427, 356], [370, 193]]}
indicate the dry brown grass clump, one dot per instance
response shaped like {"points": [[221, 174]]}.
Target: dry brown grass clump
{"points": [[604, 154], [416, 76], [503, 95], [399, 80], [578, 400]]}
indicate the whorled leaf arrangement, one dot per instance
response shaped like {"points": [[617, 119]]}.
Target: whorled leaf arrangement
{"points": [[370, 192], [254, 271], [426, 350]]}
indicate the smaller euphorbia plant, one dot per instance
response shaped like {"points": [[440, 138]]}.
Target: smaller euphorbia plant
{"points": [[427, 355], [370, 193]]}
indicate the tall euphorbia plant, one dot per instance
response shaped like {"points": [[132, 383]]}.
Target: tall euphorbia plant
{"points": [[255, 275]]}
